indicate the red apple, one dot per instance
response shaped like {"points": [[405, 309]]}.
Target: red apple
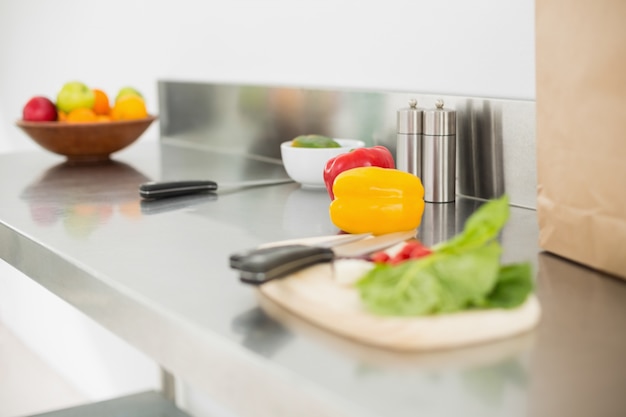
{"points": [[39, 109]]}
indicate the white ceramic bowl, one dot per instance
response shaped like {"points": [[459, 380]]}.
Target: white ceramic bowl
{"points": [[306, 165]]}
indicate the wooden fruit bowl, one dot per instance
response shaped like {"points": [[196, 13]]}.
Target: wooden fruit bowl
{"points": [[86, 142]]}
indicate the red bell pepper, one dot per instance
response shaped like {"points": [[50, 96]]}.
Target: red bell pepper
{"points": [[377, 156]]}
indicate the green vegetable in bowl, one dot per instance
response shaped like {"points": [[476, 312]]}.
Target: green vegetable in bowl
{"points": [[462, 273], [314, 141]]}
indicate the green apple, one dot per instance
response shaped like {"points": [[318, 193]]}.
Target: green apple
{"points": [[127, 91], [75, 95], [314, 141]]}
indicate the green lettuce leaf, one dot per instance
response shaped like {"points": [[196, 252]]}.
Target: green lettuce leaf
{"points": [[463, 273], [515, 282], [481, 227], [439, 283]]}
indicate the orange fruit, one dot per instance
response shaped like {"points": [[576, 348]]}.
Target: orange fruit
{"points": [[130, 209], [81, 115], [101, 103], [129, 108], [103, 117], [61, 116]]}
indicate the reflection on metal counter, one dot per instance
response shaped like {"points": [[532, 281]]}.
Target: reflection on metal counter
{"points": [[260, 332], [438, 223], [481, 160], [443, 221]]}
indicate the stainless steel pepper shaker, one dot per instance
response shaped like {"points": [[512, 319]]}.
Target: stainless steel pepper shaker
{"points": [[409, 145], [439, 154]]}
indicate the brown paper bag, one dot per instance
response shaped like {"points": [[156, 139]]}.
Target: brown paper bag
{"points": [[581, 131]]}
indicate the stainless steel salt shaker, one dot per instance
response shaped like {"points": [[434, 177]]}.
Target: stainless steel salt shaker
{"points": [[439, 154], [409, 145]]}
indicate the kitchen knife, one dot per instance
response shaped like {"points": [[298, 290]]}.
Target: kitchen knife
{"points": [[258, 266], [240, 259], [165, 189], [155, 190]]}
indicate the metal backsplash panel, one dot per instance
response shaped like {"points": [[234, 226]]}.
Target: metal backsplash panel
{"points": [[495, 138]]}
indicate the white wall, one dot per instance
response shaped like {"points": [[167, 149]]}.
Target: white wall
{"points": [[475, 48]]}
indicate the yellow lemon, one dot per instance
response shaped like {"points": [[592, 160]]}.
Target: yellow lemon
{"points": [[129, 108]]}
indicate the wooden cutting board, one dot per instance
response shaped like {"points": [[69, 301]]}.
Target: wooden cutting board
{"points": [[317, 295]]}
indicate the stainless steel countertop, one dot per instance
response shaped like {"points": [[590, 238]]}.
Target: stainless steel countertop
{"points": [[157, 275]]}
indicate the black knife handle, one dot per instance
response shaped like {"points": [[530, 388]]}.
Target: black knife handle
{"points": [[175, 188], [261, 265]]}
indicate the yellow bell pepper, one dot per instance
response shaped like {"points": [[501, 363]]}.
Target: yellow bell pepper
{"points": [[377, 200]]}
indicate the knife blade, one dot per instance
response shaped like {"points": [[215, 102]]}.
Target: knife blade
{"points": [[258, 266], [164, 189]]}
